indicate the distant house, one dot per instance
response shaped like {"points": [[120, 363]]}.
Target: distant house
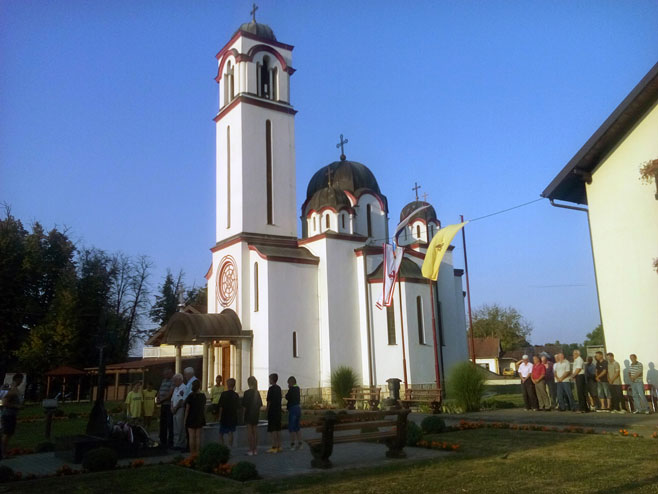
{"points": [[623, 220], [487, 353]]}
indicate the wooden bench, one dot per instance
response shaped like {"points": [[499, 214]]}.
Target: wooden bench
{"points": [[416, 396], [365, 394], [388, 426]]}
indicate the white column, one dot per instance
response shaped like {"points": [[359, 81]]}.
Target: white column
{"points": [[211, 366], [238, 365], [179, 358], [204, 367]]}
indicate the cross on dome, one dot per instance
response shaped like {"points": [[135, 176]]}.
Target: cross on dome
{"points": [[254, 8], [340, 145], [425, 196], [415, 189]]}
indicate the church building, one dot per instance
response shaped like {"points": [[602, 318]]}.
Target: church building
{"points": [[306, 306]]}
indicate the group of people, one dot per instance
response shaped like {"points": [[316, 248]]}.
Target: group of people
{"points": [[547, 384], [140, 403], [183, 411]]}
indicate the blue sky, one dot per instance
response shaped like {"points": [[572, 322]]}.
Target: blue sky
{"points": [[106, 122]]}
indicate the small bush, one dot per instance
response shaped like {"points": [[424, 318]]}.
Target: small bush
{"points": [[466, 385], [6, 473], [100, 459], [212, 455], [343, 379], [243, 471], [45, 447], [432, 425], [414, 433]]}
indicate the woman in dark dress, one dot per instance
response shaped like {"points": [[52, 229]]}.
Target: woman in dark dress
{"points": [[195, 416], [252, 403]]}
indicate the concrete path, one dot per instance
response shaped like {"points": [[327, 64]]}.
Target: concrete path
{"points": [[48, 464]]}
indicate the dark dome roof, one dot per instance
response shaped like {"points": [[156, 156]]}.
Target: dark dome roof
{"points": [[426, 214], [261, 30], [329, 196], [408, 269], [345, 175]]}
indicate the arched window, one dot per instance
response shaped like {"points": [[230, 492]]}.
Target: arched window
{"points": [[315, 226], [369, 219], [229, 91], [431, 227], [255, 287], [228, 176], [419, 314], [327, 222], [418, 231], [275, 87], [268, 171], [295, 349], [390, 323], [264, 73], [342, 217]]}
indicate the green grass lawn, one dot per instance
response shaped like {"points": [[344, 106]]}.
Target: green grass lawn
{"points": [[491, 461]]}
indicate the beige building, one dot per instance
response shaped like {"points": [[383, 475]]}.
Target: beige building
{"points": [[604, 179]]}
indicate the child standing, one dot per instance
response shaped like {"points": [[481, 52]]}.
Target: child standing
{"points": [[134, 403], [149, 404], [229, 402], [294, 413], [274, 414], [252, 403], [215, 393], [195, 416]]}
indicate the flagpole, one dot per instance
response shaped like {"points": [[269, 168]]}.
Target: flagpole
{"points": [[468, 293], [404, 354], [436, 348]]}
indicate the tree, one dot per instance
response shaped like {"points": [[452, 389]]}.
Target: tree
{"points": [[505, 323], [595, 338], [166, 302]]}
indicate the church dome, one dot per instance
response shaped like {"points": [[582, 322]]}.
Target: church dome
{"points": [[345, 175], [427, 215], [329, 196], [261, 30]]}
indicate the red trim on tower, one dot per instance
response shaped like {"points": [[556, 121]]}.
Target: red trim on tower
{"points": [[209, 273], [239, 33], [332, 236], [264, 239], [292, 260], [229, 53], [255, 101], [258, 48]]}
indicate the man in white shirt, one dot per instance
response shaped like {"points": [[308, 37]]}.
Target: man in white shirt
{"points": [[524, 367], [578, 374], [562, 371], [188, 372], [178, 411]]}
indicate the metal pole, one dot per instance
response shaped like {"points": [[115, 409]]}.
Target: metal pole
{"points": [[404, 354], [468, 294], [436, 348]]}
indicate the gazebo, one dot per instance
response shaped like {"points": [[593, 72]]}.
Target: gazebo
{"points": [[185, 328], [65, 372]]}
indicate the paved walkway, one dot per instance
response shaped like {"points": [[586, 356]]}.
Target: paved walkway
{"points": [[287, 463], [47, 463], [597, 420]]}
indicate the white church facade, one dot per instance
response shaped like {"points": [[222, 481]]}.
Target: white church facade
{"points": [[306, 306]]}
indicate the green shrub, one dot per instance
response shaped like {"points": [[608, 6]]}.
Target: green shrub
{"points": [[45, 447], [432, 425], [100, 459], [243, 471], [6, 474], [212, 455], [414, 433], [466, 385], [343, 379]]}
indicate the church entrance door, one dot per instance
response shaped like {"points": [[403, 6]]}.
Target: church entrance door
{"points": [[226, 362]]}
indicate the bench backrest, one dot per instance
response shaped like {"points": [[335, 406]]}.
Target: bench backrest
{"points": [[365, 392], [421, 394]]}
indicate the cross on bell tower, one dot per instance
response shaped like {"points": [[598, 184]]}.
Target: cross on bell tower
{"points": [[340, 145], [254, 8], [415, 189]]}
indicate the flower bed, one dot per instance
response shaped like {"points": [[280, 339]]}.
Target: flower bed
{"points": [[440, 445], [466, 425]]}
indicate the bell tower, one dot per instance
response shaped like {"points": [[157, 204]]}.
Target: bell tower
{"points": [[255, 134]]}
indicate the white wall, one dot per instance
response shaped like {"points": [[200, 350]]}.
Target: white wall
{"points": [[623, 216]]}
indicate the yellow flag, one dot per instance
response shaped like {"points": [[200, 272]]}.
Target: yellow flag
{"points": [[438, 248]]}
